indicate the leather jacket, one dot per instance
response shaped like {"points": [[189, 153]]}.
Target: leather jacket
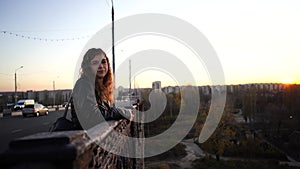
{"points": [[88, 112]]}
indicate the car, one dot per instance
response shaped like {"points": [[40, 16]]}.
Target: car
{"points": [[35, 109], [21, 104], [10, 106]]}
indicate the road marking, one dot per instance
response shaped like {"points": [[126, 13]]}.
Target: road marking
{"points": [[46, 123], [16, 131]]}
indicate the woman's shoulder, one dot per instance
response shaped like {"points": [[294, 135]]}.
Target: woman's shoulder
{"points": [[82, 82], [82, 88]]}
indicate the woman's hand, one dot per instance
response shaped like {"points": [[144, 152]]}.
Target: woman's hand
{"points": [[131, 115]]}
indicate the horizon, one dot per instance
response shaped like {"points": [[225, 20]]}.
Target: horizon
{"points": [[252, 47], [285, 84]]}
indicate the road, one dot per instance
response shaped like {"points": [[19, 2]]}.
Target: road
{"points": [[18, 126]]}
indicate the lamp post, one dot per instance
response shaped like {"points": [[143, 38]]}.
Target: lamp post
{"points": [[113, 34], [16, 83], [53, 93]]}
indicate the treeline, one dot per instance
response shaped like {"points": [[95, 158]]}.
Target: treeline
{"points": [[276, 113], [259, 106]]}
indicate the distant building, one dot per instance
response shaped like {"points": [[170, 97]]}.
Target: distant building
{"points": [[230, 89], [156, 85], [30, 94], [206, 90], [168, 89], [171, 89], [177, 89]]}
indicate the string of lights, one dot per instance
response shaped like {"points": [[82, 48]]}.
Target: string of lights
{"points": [[43, 39]]}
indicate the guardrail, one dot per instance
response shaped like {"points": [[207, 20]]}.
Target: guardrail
{"points": [[72, 149], [5, 112]]}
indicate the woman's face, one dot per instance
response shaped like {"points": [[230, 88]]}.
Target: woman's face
{"points": [[99, 66]]}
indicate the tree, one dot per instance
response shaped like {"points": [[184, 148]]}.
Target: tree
{"points": [[222, 136], [249, 104]]}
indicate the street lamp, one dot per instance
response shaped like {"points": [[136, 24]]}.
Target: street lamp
{"points": [[54, 92], [16, 83]]}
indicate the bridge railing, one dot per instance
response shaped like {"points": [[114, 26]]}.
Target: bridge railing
{"points": [[73, 149]]}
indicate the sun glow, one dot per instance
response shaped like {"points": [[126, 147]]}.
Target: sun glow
{"points": [[287, 81]]}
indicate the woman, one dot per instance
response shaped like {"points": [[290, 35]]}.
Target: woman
{"points": [[93, 92]]}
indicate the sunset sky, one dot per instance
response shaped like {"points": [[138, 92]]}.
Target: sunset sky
{"points": [[256, 41]]}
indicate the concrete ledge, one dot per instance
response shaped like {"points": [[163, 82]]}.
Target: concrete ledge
{"points": [[67, 149], [72, 149], [59, 149], [47, 138]]}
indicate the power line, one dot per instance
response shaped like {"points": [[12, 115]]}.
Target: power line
{"points": [[42, 39], [6, 74]]}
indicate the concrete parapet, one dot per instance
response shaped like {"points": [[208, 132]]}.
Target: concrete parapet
{"points": [[69, 149]]}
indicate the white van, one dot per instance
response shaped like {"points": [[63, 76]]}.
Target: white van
{"points": [[21, 104]]}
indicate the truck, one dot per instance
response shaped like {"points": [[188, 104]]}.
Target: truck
{"points": [[21, 104]]}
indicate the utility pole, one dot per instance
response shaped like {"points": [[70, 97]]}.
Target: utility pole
{"points": [[16, 88], [113, 35], [129, 77], [53, 93]]}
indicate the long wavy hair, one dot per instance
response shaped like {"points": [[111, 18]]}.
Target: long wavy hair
{"points": [[104, 91]]}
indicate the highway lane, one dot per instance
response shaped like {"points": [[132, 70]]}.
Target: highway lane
{"points": [[18, 126]]}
